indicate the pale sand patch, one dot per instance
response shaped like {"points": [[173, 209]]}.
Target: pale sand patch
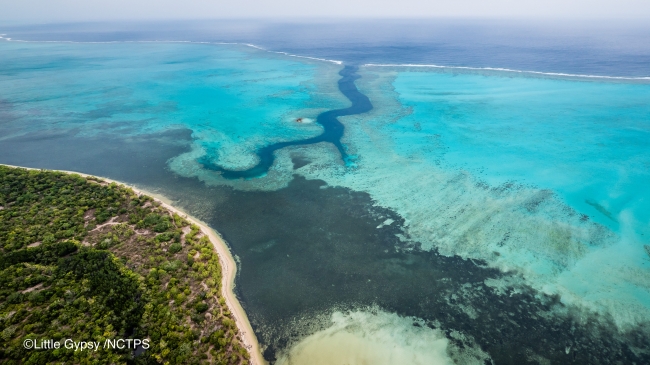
{"points": [[111, 222], [228, 267], [35, 287], [375, 337]]}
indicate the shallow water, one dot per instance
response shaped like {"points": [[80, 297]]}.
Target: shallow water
{"points": [[332, 132], [233, 101], [485, 216], [543, 176]]}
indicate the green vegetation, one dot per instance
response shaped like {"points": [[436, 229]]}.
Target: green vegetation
{"points": [[89, 261]]}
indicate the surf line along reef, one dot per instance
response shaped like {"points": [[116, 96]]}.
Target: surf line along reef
{"points": [[332, 133]]}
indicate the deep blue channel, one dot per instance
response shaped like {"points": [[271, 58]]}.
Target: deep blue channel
{"points": [[332, 133]]}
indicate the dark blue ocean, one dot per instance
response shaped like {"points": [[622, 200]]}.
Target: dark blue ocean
{"points": [[613, 48]]}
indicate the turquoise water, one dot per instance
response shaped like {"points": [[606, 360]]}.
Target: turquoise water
{"points": [[587, 141], [234, 98], [547, 177]]}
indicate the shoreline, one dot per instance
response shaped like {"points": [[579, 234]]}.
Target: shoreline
{"points": [[228, 264]]}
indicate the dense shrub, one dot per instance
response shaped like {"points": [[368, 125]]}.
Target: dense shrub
{"points": [[175, 247], [73, 265]]}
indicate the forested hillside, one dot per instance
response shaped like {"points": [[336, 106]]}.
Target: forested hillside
{"points": [[85, 260]]}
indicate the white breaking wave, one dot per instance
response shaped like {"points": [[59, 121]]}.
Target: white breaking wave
{"points": [[193, 42], [561, 74], [293, 55]]}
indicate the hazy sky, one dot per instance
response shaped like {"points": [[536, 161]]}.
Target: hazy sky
{"points": [[84, 10]]}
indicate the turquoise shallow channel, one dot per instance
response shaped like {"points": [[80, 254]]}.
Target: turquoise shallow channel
{"points": [[468, 195]]}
